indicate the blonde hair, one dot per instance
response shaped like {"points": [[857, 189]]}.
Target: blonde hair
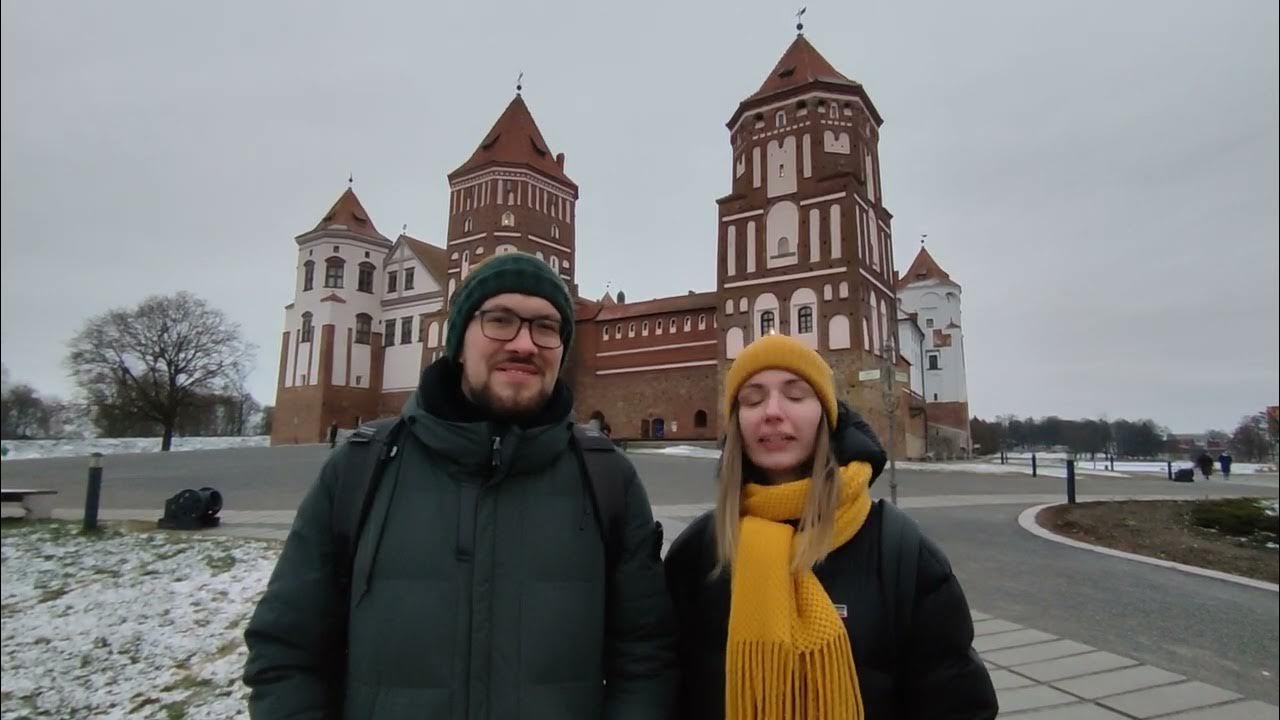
{"points": [[817, 521]]}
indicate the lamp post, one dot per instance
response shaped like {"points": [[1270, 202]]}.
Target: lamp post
{"points": [[892, 400]]}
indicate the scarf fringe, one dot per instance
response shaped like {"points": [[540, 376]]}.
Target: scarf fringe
{"points": [[779, 684]]}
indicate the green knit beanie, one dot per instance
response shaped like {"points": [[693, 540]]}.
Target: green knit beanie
{"points": [[514, 272]]}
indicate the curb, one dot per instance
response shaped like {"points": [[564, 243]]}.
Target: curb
{"points": [[1027, 519]]}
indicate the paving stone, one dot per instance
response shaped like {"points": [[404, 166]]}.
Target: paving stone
{"points": [[1251, 710], [1030, 698], [977, 616], [1067, 712], [1169, 698], [1074, 666], [1035, 653], [1005, 680], [1010, 639], [1117, 681], [993, 626]]}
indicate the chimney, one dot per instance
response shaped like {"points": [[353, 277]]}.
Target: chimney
{"points": [[560, 160]]}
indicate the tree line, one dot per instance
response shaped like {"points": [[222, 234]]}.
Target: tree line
{"points": [[1253, 440]]}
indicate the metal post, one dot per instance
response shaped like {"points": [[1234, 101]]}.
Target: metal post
{"points": [[1170, 464], [1071, 482], [891, 403], [1033, 465], [92, 493], [1111, 462]]}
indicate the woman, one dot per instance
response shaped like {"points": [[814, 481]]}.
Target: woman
{"points": [[788, 592]]}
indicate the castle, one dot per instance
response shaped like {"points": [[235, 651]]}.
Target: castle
{"points": [[804, 248]]}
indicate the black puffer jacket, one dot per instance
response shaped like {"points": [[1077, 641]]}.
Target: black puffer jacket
{"points": [[927, 670]]}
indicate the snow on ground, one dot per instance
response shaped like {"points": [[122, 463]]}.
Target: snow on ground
{"points": [[26, 449], [137, 624], [680, 451], [1157, 467], [998, 469]]}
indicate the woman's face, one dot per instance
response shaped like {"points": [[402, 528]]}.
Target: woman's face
{"points": [[779, 416]]}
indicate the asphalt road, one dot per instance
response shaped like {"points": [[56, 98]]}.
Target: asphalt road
{"points": [[1224, 634]]}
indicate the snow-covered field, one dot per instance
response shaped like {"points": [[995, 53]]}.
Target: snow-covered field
{"points": [[126, 625], [26, 449]]}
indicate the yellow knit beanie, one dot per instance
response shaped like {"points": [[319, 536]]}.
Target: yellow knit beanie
{"points": [[779, 352]]}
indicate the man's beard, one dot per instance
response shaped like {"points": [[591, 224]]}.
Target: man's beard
{"points": [[510, 407]]}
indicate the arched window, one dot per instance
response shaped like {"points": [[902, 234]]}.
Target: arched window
{"points": [[555, 232], [333, 268], [466, 225], [805, 320], [631, 330], [364, 328], [308, 275], [702, 322], [644, 328], [784, 246], [617, 331], [364, 280], [688, 323], [555, 264], [780, 118], [508, 219], [700, 419], [673, 324], [767, 323], [306, 327], [604, 333]]}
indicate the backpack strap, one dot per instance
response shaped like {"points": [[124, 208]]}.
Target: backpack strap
{"points": [[605, 471], [368, 450], [899, 564]]}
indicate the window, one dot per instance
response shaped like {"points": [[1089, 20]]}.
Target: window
{"points": [[688, 323], [702, 322], [364, 278], [928, 323], [508, 219], [392, 281], [700, 419], [617, 331], [780, 118], [406, 330], [673, 324], [805, 320], [782, 170], [408, 278], [605, 332], [767, 323], [933, 361], [631, 330], [555, 232], [333, 272], [466, 225], [784, 246], [388, 333], [657, 327], [306, 327], [644, 328], [308, 275], [364, 329], [935, 397]]}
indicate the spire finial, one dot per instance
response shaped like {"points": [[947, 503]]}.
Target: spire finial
{"points": [[923, 237], [351, 178], [404, 229], [799, 23], [519, 83]]}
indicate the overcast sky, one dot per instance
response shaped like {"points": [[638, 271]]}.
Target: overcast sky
{"points": [[1101, 177]]}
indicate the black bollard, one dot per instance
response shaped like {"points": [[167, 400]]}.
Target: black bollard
{"points": [[1071, 482], [1033, 465], [92, 493], [1170, 464]]}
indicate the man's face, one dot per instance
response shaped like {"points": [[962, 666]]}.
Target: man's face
{"points": [[512, 378]]}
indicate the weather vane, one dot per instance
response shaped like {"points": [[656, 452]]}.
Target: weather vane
{"points": [[799, 22], [519, 83], [923, 237], [351, 178]]}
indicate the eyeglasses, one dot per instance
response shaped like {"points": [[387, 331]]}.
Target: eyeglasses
{"points": [[505, 326]]}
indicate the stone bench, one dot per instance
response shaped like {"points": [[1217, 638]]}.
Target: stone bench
{"points": [[38, 504]]}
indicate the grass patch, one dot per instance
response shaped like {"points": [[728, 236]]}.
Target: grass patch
{"points": [[187, 682], [219, 564], [174, 710], [1168, 530], [1243, 518]]}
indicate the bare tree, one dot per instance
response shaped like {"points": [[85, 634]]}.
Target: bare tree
{"points": [[157, 359], [25, 413]]}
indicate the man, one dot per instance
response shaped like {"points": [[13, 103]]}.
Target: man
{"points": [[480, 586], [1205, 461], [333, 434], [1224, 462]]}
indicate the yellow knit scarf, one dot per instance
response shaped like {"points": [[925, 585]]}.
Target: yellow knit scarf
{"points": [[788, 655]]}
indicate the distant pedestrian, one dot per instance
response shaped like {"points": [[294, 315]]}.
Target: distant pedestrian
{"points": [[1224, 462], [333, 434], [1206, 464]]}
